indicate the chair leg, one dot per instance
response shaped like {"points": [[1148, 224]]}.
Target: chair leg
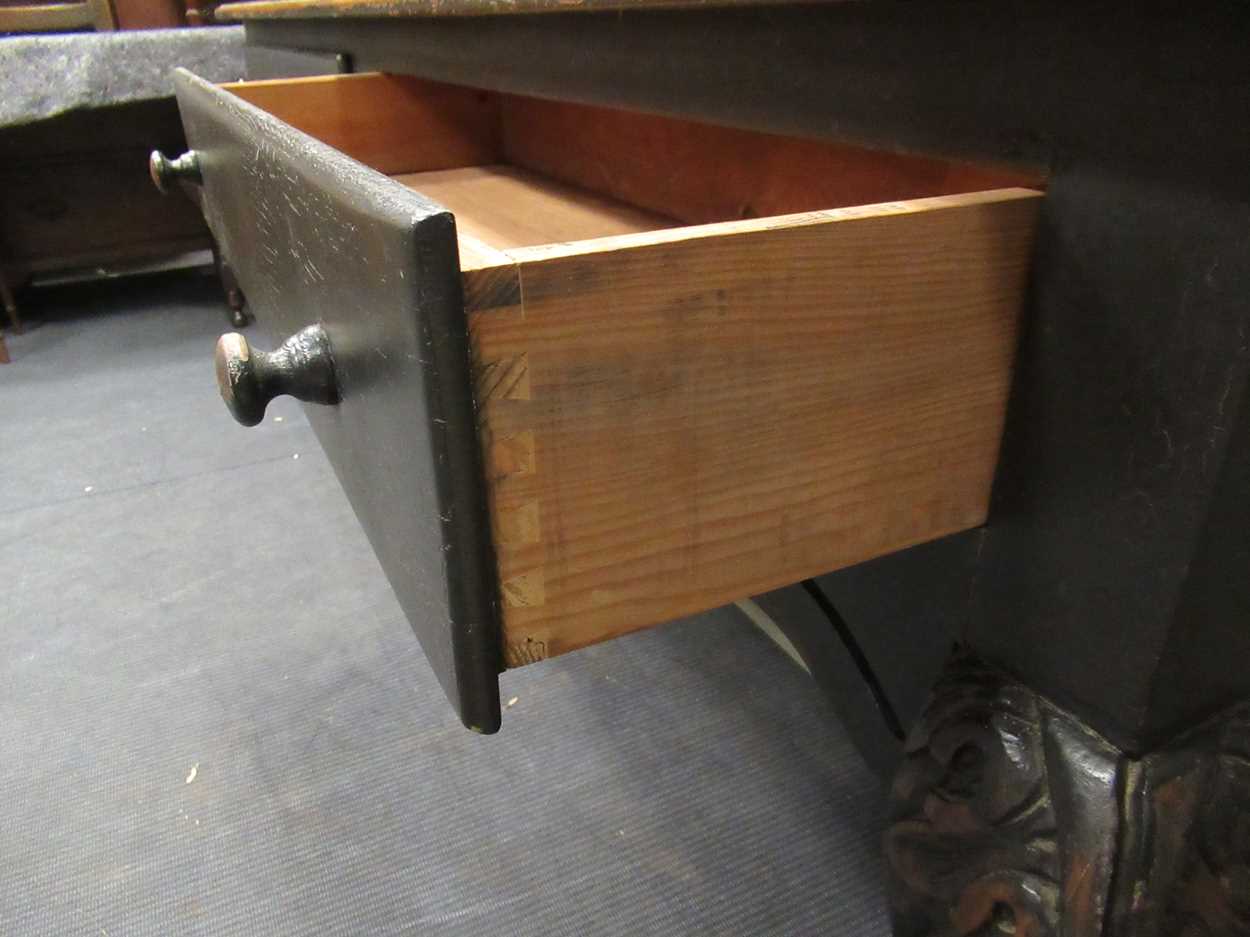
{"points": [[10, 305], [4, 350], [235, 301]]}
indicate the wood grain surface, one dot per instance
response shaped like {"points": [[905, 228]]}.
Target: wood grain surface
{"points": [[391, 123], [294, 9], [700, 173], [693, 172], [504, 206], [676, 419]]}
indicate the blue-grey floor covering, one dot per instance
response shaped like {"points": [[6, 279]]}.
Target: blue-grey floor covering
{"points": [[214, 719]]}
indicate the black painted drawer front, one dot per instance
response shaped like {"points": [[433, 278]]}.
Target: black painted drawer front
{"points": [[315, 237]]}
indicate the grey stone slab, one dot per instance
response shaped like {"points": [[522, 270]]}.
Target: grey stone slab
{"points": [[43, 76]]}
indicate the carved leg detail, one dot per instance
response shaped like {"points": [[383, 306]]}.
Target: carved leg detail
{"points": [[1009, 816]]}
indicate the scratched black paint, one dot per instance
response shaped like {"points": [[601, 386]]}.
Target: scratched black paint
{"points": [[316, 239]]}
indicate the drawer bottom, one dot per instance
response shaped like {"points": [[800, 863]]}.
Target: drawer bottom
{"points": [[505, 207]]}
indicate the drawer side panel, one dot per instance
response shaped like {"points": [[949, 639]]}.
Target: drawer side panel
{"points": [[680, 419]]}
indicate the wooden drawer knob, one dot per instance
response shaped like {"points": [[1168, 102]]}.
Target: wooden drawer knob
{"points": [[165, 171], [302, 366]]}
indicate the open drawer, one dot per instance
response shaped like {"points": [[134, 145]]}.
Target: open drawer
{"points": [[594, 370]]}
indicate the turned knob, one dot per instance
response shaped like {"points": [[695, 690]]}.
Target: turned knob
{"points": [[302, 366], [165, 171]]}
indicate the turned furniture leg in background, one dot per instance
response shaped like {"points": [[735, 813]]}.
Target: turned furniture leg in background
{"points": [[10, 304], [10, 309], [235, 300]]}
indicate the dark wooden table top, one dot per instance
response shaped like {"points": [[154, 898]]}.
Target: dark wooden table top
{"points": [[297, 9]]}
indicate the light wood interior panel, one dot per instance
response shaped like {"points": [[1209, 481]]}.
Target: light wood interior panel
{"points": [[677, 419], [684, 171], [700, 173], [392, 123], [503, 207]]}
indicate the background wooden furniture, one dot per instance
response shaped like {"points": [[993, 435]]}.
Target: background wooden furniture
{"points": [[18, 16], [76, 194], [200, 12], [57, 17], [74, 187], [150, 14]]}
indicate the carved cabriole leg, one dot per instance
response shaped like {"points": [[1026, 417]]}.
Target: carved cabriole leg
{"points": [[1009, 816], [1192, 835]]}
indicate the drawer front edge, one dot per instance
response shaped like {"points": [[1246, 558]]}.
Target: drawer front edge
{"points": [[315, 237]]}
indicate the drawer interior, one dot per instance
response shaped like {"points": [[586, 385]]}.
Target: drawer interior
{"points": [[504, 206], [705, 362], [521, 172]]}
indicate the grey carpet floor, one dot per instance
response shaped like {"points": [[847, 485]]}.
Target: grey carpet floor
{"points": [[214, 719]]}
